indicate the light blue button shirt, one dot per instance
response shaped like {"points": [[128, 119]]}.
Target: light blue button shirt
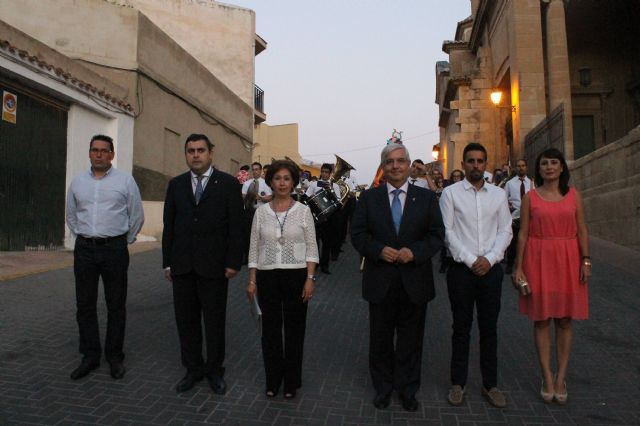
{"points": [[105, 207]]}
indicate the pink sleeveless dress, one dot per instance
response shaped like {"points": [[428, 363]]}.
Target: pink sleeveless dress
{"points": [[552, 261]]}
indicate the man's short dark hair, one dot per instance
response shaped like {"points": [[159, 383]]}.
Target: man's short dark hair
{"points": [[193, 137], [327, 166], [102, 138], [245, 168], [419, 161], [473, 146], [255, 163], [278, 165]]}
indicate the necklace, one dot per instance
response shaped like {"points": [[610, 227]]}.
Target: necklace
{"points": [[284, 220]]}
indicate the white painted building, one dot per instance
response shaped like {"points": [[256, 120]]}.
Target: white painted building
{"points": [[60, 106]]}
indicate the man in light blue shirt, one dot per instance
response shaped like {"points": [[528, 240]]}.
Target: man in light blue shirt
{"points": [[104, 213]]}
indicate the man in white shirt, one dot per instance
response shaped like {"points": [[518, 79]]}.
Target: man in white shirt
{"points": [[415, 173], [327, 232], [255, 191], [104, 213], [515, 189], [478, 231]]}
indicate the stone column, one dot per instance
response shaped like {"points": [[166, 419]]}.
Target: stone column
{"points": [[559, 81]]}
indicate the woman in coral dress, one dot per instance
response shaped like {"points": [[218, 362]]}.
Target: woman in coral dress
{"points": [[553, 257]]}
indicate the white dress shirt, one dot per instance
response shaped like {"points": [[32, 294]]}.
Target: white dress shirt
{"points": [[205, 179], [402, 195], [477, 222], [105, 207], [263, 190], [512, 188], [422, 183], [313, 189]]}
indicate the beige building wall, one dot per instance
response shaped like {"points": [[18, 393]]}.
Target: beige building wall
{"points": [[220, 36], [122, 45], [609, 177], [92, 30], [277, 142]]}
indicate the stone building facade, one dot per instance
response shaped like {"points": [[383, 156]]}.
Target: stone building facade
{"points": [[569, 74]]}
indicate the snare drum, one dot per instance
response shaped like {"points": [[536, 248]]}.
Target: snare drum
{"points": [[323, 204]]}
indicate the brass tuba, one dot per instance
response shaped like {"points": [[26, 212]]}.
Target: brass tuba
{"points": [[342, 167]]}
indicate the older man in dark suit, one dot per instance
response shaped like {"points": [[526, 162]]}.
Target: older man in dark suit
{"points": [[397, 227], [201, 251]]}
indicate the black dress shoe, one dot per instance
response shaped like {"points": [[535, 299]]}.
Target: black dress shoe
{"points": [[188, 382], [381, 401], [409, 403], [83, 369], [117, 370], [217, 383]]}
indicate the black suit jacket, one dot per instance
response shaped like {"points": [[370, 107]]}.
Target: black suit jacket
{"points": [[207, 237], [421, 230]]}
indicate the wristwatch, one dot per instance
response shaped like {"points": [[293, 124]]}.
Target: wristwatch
{"points": [[311, 277]]}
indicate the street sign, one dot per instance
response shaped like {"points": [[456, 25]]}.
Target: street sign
{"points": [[9, 107]]}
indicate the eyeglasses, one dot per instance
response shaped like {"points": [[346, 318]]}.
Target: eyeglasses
{"points": [[99, 151]]}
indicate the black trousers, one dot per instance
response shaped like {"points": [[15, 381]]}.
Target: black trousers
{"points": [[280, 299], [329, 235], [196, 298], [513, 246], [396, 366], [109, 260], [467, 290]]}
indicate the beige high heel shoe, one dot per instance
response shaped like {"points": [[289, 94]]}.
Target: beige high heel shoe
{"points": [[561, 398], [547, 397]]}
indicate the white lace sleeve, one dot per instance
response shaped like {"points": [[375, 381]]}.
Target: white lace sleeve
{"points": [[310, 236], [254, 240]]}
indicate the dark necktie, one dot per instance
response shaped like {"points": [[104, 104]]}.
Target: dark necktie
{"points": [[396, 209], [522, 190], [413, 181], [199, 189]]}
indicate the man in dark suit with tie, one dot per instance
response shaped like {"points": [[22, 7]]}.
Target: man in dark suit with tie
{"points": [[397, 227], [201, 251]]}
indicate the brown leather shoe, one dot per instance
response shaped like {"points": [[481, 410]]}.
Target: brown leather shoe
{"points": [[495, 397], [456, 395]]}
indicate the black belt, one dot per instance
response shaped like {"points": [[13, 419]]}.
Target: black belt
{"points": [[101, 241]]}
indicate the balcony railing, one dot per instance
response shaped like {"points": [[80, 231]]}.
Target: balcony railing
{"points": [[259, 98]]}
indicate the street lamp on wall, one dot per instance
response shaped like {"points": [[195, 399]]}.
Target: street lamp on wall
{"points": [[435, 152], [585, 76], [496, 97]]}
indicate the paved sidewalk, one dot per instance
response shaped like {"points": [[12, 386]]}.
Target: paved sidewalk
{"points": [[38, 350], [16, 264]]}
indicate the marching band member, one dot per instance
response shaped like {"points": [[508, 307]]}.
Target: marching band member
{"points": [[327, 231], [255, 192]]}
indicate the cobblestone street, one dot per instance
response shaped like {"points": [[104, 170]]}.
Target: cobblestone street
{"points": [[38, 350]]}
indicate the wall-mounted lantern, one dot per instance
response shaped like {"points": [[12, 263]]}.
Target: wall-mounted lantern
{"points": [[496, 97], [435, 152], [585, 76]]}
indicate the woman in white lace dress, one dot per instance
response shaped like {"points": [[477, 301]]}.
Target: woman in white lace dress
{"points": [[282, 261]]}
